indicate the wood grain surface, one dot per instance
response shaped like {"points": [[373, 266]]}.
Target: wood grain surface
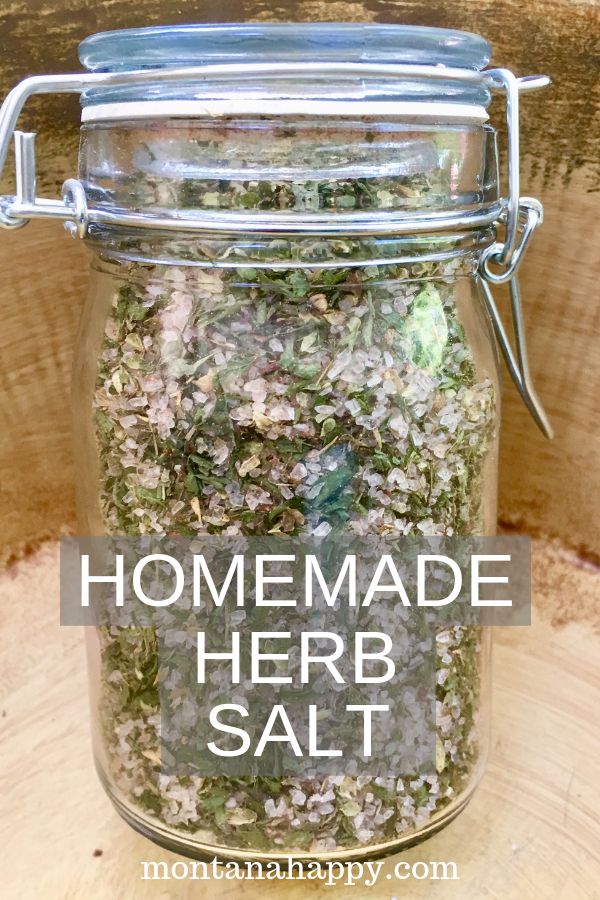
{"points": [[545, 488], [531, 832]]}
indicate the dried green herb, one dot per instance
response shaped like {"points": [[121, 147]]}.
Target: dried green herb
{"points": [[255, 400]]}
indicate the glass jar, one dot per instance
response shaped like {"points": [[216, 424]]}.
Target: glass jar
{"points": [[288, 332]]}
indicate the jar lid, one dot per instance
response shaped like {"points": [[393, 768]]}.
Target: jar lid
{"points": [[188, 45], [289, 68]]}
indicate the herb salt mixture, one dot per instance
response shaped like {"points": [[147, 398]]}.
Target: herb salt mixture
{"points": [[286, 399]]}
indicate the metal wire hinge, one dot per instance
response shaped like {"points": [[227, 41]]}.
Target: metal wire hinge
{"points": [[72, 206], [497, 264], [530, 216], [18, 210]]}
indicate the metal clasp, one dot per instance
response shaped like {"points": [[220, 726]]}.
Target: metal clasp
{"points": [[529, 216], [16, 212], [72, 206], [503, 79], [517, 365], [520, 216]]}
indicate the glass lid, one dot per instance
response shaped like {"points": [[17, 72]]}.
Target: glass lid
{"points": [[289, 62], [188, 45]]}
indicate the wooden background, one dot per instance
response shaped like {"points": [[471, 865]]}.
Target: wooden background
{"points": [[546, 488], [532, 831]]}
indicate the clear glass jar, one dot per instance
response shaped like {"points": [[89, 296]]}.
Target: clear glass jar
{"points": [[290, 332], [215, 401], [306, 362]]}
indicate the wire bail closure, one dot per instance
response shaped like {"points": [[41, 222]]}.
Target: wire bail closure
{"points": [[530, 217], [15, 210], [518, 366], [519, 216]]}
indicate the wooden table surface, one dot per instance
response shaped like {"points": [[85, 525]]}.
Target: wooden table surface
{"points": [[44, 273], [531, 833]]}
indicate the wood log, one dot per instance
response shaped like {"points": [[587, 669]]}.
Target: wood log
{"points": [[549, 488]]}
